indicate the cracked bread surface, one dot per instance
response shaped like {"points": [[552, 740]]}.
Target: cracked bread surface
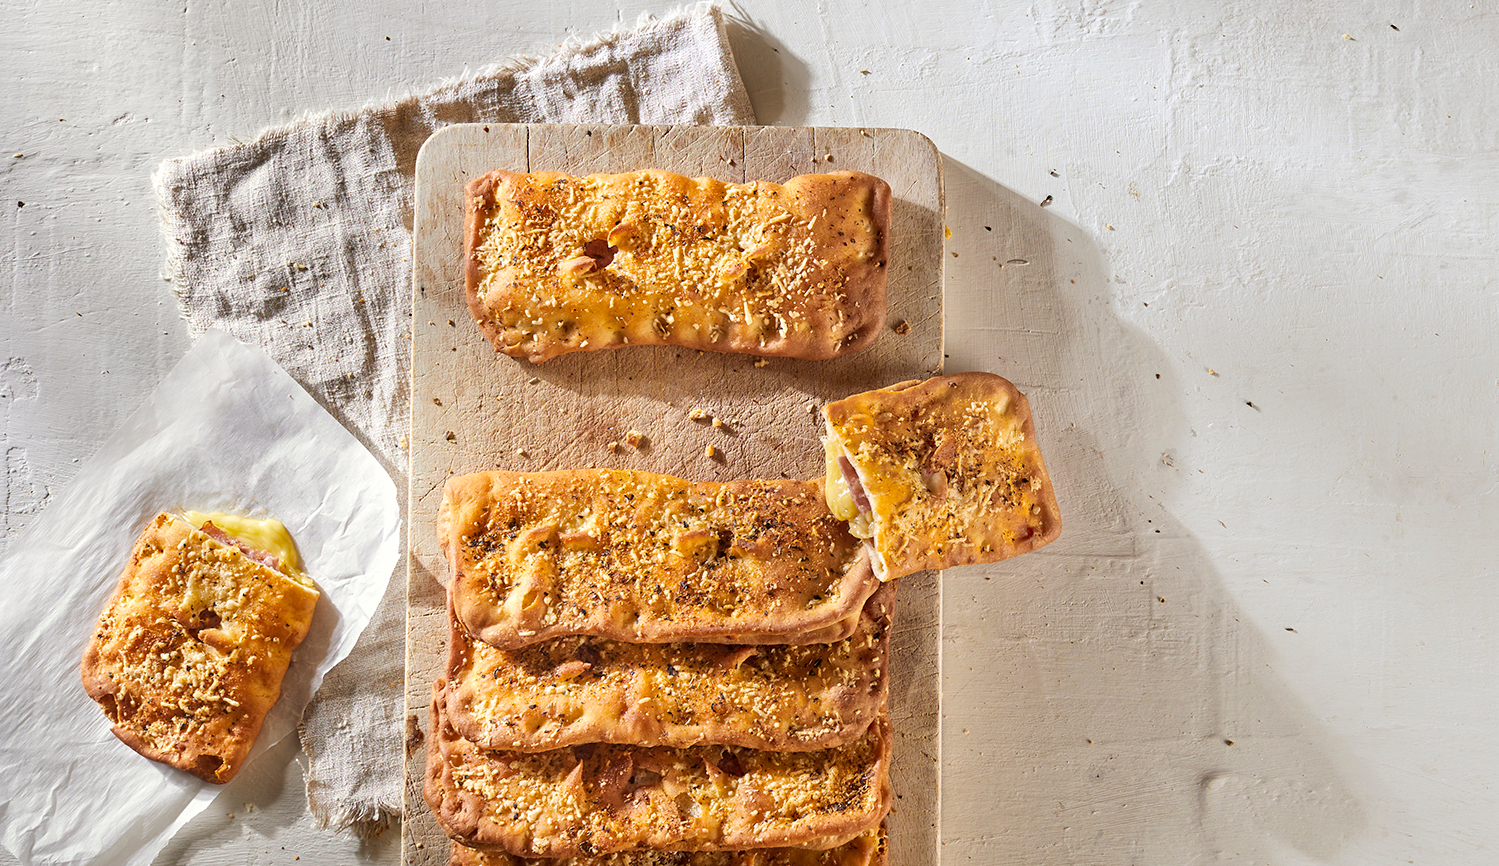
{"points": [[604, 798], [642, 557], [951, 471], [573, 690], [188, 656], [556, 263]]}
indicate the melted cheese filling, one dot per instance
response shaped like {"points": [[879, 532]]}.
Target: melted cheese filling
{"points": [[269, 535]]}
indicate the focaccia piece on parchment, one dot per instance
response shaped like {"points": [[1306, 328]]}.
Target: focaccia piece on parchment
{"points": [[866, 849], [603, 798], [573, 690], [189, 654], [940, 473], [648, 558], [558, 264]]}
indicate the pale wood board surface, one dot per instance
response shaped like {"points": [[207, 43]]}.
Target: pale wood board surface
{"points": [[473, 409]]}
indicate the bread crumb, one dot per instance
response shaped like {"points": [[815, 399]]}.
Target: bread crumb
{"points": [[762, 362], [710, 452], [634, 438], [698, 414], [613, 447], [902, 327], [402, 444], [533, 380], [718, 423], [521, 452]]}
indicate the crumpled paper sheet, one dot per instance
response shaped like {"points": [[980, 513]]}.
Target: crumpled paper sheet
{"points": [[227, 430]]}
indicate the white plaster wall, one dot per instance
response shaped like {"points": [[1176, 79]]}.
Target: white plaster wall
{"points": [[1286, 204]]}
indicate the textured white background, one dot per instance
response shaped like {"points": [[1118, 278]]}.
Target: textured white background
{"points": [[1257, 322]]}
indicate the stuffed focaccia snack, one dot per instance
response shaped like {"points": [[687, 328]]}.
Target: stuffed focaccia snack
{"points": [[558, 264], [604, 798], [940, 473], [573, 690], [866, 849], [189, 654], [649, 558]]}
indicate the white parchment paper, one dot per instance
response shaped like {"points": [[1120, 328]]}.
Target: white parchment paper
{"points": [[227, 430]]}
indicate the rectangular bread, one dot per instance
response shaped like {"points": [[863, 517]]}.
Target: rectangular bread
{"points": [[573, 690], [188, 656], [604, 798], [558, 264], [866, 849], [940, 473], [643, 557]]}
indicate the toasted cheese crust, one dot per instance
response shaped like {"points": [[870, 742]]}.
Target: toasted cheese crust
{"points": [[188, 656], [866, 849], [574, 690], [951, 470], [557, 264], [603, 798], [642, 557]]}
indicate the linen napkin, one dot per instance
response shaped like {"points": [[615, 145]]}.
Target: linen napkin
{"points": [[299, 242]]}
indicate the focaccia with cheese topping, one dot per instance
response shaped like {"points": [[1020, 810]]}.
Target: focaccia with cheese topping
{"points": [[866, 849], [189, 654], [558, 264], [574, 690], [603, 798], [940, 473], [642, 557]]}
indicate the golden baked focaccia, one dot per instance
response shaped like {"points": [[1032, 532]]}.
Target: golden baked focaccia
{"points": [[866, 849], [642, 557], [558, 264], [602, 798], [574, 690], [940, 473], [188, 656]]}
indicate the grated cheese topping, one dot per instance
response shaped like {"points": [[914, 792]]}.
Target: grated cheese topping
{"points": [[644, 557], [575, 690], [190, 652], [603, 798], [866, 849], [560, 263], [951, 469]]}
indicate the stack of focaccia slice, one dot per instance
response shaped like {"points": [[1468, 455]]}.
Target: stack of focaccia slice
{"points": [[646, 670]]}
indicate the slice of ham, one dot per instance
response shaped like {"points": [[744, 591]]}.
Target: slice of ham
{"points": [[855, 486], [268, 560]]}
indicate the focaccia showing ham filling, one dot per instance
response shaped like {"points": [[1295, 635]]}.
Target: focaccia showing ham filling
{"points": [[558, 264], [866, 849], [602, 798], [643, 557], [189, 654], [574, 690], [940, 473]]}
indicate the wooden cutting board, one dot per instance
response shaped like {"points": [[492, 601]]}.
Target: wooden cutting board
{"points": [[473, 409]]}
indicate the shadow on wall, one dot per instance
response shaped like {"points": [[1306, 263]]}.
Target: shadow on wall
{"points": [[1104, 702], [777, 81]]}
